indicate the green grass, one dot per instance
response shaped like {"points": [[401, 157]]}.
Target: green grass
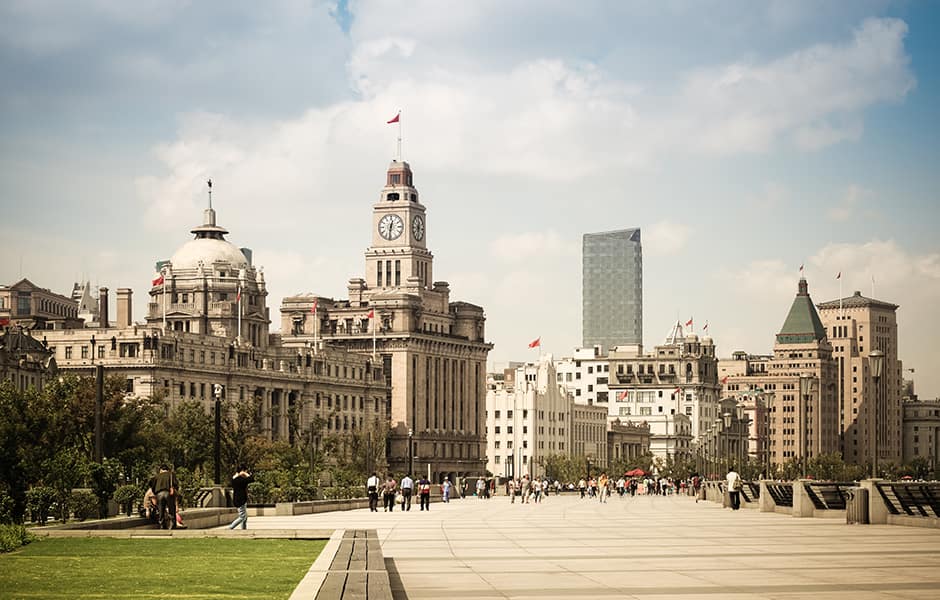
{"points": [[127, 569]]}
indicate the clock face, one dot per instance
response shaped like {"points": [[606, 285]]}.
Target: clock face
{"points": [[390, 227], [417, 227]]}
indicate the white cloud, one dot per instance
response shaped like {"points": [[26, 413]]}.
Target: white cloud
{"points": [[532, 245], [665, 238], [851, 203]]}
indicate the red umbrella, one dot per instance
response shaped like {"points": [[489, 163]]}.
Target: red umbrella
{"points": [[635, 473], [907, 477]]}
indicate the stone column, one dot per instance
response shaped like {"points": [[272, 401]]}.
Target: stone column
{"points": [[802, 504], [766, 503], [877, 511]]}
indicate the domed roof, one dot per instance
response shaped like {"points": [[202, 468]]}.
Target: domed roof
{"points": [[209, 247], [207, 251], [691, 338], [707, 341]]}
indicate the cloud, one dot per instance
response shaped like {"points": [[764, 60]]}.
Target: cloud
{"points": [[850, 205], [665, 238], [528, 245]]}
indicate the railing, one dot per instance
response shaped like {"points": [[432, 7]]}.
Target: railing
{"points": [[829, 496], [750, 492], [781, 493], [913, 499]]}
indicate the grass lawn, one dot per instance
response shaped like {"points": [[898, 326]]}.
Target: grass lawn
{"points": [[104, 568]]}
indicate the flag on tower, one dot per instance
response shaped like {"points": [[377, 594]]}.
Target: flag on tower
{"points": [[724, 380], [158, 280], [537, 342], [394, 119], [621, 396], [705, 329], [801, 270], [677, 391], [313, 308], [839, 276], [689, 322], [371, 314], [238, 296]]}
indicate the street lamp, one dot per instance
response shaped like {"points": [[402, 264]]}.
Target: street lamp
{"points": [[411, 457], [877, 359], [217, 393]]}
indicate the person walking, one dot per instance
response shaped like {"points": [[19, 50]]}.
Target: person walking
{"points": [[735, 483], [424, 493], [388, 493], [240, 481], [602, 488], [407, 488], [372, 488], [582, 486], [446, 488], [165, 487], [511, 490]]}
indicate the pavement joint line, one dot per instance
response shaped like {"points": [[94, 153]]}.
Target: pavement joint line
{"points": [[311, 582]]}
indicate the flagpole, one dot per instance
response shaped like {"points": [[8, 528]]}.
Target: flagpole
{"points": [[399, 135], [238, 297], [373, 334]]}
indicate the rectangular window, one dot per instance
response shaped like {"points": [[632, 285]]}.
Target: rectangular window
{"points": [[129, 386], [509, 429], [100, 351], [84, 351], [397, 273], [496, 414], [496, 429], [496, 444], [378, 274], [508, 414], [68, 352]]}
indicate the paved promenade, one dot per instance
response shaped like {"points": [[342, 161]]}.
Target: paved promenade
{"points": [[644, 547]]}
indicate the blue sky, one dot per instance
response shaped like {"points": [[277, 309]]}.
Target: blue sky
{"points": [[744, 138]]}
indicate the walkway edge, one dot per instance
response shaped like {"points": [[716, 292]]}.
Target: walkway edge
{"points": [[309, 586]]}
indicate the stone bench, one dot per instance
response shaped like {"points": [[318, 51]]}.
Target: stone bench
{"points": [[358, 569]]}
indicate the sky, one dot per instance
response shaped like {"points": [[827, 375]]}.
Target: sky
{"points": [[744, 138]]}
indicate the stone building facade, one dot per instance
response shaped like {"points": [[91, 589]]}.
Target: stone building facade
{"points": [[589, 433], [528, 418], [870, 414], [796, 388], [207, 325], [24, 360], [674, 389], [921, 431], [25, 304], [432, 349], [585, 375]]}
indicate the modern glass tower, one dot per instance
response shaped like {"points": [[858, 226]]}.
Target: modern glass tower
{"points": [[612, 289]]}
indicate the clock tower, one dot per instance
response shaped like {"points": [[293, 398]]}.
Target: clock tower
{"points": [[399, 254]]}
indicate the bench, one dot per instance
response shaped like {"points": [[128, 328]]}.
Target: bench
{"points": [[358, 569]]}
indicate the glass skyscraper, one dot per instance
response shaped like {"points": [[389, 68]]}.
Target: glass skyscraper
{"points": [[612, 289]]}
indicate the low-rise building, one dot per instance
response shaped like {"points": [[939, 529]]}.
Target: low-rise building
{"points": [[585, 375], [25, 304], [627, 440], [922, 431], [589, 433], [25, 361]]}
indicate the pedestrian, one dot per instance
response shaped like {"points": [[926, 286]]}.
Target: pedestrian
{"points": [[479, 490], [696, 486], [165, 487], [424, 493], [388, 493], [602, 484], [372, 488], [735, 483], [511, 490], [582, 486], [445, 489], [407, 488], [240, 481]]}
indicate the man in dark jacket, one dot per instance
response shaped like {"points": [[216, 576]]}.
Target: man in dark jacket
{"points": [[240, 481], [165, 487]]}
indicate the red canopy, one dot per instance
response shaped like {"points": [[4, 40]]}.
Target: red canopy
{"points": [[635, 473]]}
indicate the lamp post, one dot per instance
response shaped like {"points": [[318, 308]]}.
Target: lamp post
{"points": [[877, 359], [217, 393], [411, 457]]}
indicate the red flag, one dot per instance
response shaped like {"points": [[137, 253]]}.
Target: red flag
{"points": [[677, 391], [4, 322], [313, 308], [801, 269], [394, 119], [839, 276], [706, 326], [724, 380], [158, 280], [621, 396], [688, 323], [371, 314], [238, 296], [535, 343]]}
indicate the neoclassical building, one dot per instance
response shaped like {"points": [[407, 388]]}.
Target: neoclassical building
{"points": [[790, 396], [431, 348], [208, 325]]}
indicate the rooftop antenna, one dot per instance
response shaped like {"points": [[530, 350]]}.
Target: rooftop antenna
{"points": [[209, 182]]}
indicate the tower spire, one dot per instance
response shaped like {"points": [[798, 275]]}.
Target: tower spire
{"points": [[209, 182]]}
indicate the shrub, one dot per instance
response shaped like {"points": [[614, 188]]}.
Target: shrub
{"points": [[127, 496], [84, 505], [6, 508], [39, 501], [293, 494], [14, 536], [258, 493]]}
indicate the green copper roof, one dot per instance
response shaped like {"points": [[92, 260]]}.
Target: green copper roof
{"points": [[802, 325]]}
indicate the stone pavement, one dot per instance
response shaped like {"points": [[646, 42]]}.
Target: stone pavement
{"points": [[645, 547]]}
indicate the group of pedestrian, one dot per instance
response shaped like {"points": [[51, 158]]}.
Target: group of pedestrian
{"points": [[401, 493], [534, 489], [163, 500]]}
